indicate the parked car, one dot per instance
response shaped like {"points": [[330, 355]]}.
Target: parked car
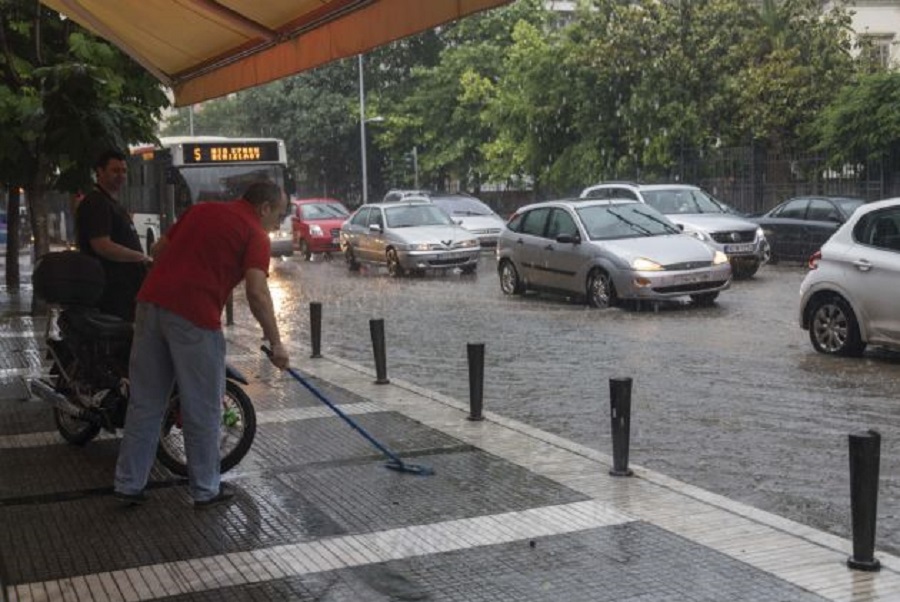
{"points": [[796, 228], [471, 214], [317, 225], [408, 236], [606, 251], [282, 239], [700, 215], [848, 299]]}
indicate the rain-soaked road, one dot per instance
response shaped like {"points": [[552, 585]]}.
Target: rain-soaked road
{"points": [[730, 398]]}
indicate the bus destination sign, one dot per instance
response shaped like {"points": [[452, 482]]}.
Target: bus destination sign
{"points": [[230, 152]]}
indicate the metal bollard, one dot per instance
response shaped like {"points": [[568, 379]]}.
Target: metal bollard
{"points": [[475, 353], [376, 328], [620, 406], [315, 328], [229, 310], [865, 457]]}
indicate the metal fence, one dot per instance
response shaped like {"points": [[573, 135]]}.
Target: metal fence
{"points": [[751, 179]]}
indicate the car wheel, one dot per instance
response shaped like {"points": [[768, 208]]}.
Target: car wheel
{"points": [[352, 264], [393, 264], [833, 328], [601, 293], [705, 299], [304, 250], [509, 279]]}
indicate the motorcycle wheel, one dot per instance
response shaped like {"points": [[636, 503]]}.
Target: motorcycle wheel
{"points": [[237, 432], [73, 430]]}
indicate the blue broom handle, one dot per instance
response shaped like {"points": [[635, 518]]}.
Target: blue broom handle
{"points": [[346, 418]]}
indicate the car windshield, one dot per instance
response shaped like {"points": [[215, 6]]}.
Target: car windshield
{"points": [[416, 215], [314, 211], [462, 206], [682, 200], [631, 220]]}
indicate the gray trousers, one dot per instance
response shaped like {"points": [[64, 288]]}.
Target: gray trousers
{"points": [[167, 348]]}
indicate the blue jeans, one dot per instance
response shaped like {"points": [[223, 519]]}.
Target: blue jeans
{"points": [[166, 349]]}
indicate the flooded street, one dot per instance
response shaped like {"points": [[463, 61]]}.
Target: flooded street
{"points": [[731, 398]]}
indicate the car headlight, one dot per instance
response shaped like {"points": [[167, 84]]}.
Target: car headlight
{"points": [[315, 230], [719, 258], [469, 243], [645, 265], [699, 235], [760, 234], [424, 246]]}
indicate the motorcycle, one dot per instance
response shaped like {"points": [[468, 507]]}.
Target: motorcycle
{"points": [[87, 381]]}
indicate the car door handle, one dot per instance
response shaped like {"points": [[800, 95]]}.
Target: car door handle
{"points": [[862, 265], [548, 248], [519, 241]]}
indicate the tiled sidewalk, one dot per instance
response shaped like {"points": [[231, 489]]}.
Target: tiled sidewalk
{"points": [[512, 513]]}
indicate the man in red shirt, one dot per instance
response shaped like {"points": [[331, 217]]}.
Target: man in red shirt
{"points": [[178, 334]]}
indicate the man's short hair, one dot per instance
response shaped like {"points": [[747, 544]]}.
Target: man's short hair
{"points": [[260, 193], [106, 156]]}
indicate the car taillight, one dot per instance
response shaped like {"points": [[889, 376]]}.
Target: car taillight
{"points": [[813, 261]]}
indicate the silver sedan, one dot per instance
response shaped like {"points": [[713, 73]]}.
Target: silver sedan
{"points": [[607, 252], [408, 236]]}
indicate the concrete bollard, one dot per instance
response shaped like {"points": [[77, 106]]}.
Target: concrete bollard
{"points": [[376, 328], [620, 414], [315, 328], [475, 353], [865, 457]]}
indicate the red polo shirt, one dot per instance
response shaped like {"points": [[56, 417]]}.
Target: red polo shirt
{"points": [[209, 250]]}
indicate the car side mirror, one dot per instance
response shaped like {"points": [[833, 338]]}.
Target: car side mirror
{"points": [[374, 228], [568, 239]]}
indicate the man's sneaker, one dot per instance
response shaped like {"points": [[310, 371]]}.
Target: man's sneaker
{"points": [[131, 499], [225, 494]]}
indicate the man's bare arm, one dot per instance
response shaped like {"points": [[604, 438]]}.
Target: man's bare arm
{"points": [[260, 301], [107, 249]]}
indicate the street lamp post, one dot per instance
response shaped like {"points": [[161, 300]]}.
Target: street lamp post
{"points": [[362, 131]]}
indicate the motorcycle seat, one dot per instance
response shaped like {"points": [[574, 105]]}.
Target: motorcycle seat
{"points": [[96, 325]]}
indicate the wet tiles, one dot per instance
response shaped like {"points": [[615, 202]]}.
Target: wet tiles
{"points": [[369, 497]]}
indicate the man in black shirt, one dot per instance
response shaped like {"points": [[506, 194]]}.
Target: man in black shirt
{"points": [[105, 230]]}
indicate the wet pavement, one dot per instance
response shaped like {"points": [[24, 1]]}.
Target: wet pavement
{"points": [[731, 398], [513, 513]]}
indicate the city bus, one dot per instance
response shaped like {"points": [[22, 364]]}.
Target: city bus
{"points": [[165, 179]]}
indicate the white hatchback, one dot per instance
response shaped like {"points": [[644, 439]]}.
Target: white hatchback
{"points": [[849, 298]]}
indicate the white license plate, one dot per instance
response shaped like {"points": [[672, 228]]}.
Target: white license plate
{"points": [[744, 248], [335, 241], [692, 278]]}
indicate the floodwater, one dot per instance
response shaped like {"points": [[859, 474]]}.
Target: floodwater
{"points": [[731, 398]]}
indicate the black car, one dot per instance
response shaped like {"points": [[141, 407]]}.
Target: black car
{"points": [[797, 227]]}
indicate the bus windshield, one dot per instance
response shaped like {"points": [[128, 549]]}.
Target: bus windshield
{"points": [[227, 182]]}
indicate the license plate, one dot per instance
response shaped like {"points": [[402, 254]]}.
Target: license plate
{"points": [[335, 241], [745, 248], [692, 278]]}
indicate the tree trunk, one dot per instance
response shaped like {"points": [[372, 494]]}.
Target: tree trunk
{"points": [[37, 212], [12, 239]]}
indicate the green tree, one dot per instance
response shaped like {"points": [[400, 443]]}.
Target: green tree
{"points": [[862, 123], [440, 111], [64, 96]]}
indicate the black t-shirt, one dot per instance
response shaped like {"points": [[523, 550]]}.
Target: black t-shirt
{"points": [[100, 215]]}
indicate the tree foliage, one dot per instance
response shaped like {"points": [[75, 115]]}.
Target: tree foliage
{"points": [[522, 96]]}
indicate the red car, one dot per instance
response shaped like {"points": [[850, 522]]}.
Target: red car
{"points": [[317, 225]]}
